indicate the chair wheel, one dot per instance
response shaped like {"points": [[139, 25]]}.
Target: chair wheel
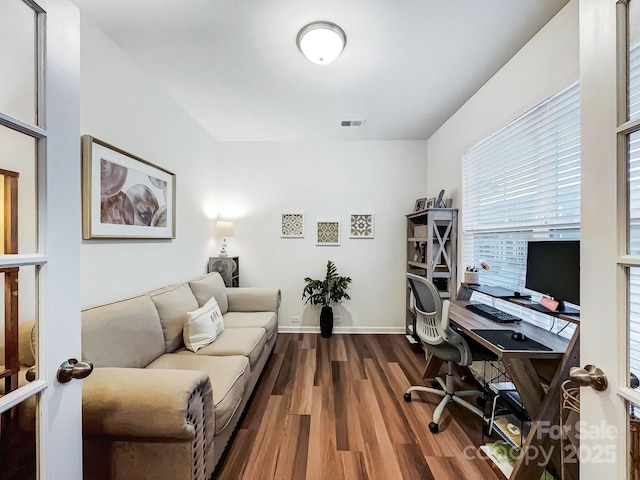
{"points": [[435, 384], [407, 397], [433, 427]]}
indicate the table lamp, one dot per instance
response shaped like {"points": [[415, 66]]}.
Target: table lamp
{"points": [[224, 229]]}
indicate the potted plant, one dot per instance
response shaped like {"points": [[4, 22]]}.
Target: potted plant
{"points": [[326, 292]]}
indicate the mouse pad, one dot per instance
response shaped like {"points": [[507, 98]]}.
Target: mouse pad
{"points": [[502, 339]]}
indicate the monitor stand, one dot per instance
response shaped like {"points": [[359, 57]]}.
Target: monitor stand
{"points": [[562, 309]]}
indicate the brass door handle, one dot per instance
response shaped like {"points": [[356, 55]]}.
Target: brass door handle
{"points": [[589, 376], [73, 368]]}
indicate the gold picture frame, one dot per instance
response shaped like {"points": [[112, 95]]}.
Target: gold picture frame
{"points": [[124, 196]]}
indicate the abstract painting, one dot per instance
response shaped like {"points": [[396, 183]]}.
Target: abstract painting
{"points": [[292, 225], [328, 233], [124, 196], [361, 226]]}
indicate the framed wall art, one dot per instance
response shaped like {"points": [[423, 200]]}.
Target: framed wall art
{"points": [[292, 225], [328, 233], [361, 226], [124, 196]]}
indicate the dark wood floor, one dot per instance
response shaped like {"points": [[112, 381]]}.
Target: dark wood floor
{"points": [[332, 409]]}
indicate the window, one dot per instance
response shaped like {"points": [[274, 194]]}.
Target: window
{"points": [[520, 184], [633, 195]]}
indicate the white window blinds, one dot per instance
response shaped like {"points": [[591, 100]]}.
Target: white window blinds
{"points": [[522, 183]]}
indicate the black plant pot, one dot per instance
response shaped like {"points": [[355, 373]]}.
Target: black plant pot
{"points": [[326, 322]]}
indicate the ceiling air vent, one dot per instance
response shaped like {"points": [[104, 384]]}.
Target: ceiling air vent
{"points": [[352, 123]]}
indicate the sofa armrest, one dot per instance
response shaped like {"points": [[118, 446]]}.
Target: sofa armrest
{"points": [[154, 403], [253, 299]]}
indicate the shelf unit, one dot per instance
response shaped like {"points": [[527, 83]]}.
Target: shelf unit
{"points": [[508, 417], [432, 238]]}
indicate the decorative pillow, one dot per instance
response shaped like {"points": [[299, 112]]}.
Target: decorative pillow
{"points": [[203, 326]]}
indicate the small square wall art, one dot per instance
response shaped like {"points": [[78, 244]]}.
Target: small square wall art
{"points": [[361, 226], [328, 233], [292, 225]]}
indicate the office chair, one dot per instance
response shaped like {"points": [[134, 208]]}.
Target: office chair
{"points": [[432, 327]]}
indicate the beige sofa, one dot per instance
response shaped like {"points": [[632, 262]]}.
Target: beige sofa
{"points": [[153, 408]]}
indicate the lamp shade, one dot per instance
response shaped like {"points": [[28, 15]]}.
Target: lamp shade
{"points": [[321, 42], [224, 228]]}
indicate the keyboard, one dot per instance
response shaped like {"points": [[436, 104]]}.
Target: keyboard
{"points": [[493, 313]]}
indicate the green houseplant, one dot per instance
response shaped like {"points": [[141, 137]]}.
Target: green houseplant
{"points": [[327, 292]]}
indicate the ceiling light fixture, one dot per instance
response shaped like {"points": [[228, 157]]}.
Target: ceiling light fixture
{"points": [[321, 42]]}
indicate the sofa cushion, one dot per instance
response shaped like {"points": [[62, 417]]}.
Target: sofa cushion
{"points": [[173, 305], [203, 326], [266, 320], [122, 334], [248, 342], [210, 285], [228, 377]]}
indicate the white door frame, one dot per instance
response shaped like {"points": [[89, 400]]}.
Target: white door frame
{"points": [[59, 418], [604, 300]]}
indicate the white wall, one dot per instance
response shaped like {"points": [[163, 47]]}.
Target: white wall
{"points": [[252, 184], [548, 63], [544, 66], [121, 105], [325, 181]]}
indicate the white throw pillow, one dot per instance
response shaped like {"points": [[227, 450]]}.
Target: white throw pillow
{"points": [[203, 326]]}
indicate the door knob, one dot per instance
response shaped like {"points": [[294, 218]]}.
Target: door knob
{"points": [[589, 376], [72, 368]]}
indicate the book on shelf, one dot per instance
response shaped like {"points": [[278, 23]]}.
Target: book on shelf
{"points": [[511, 428], [504, 457]]}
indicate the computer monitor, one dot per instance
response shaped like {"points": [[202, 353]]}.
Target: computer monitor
{"points": [[553, 269]]}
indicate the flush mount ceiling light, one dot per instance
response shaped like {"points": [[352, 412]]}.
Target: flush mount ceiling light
{"points": [[321, 42]]}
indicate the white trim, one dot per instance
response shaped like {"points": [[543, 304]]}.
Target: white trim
{"points": [[22, 260], [630, 395], [12, 399], [343, 330], [22, 127]]}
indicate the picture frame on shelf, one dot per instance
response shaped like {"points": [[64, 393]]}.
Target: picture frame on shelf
{"points": [[420, 205], [362, 225], [292, 225], [125, 196], [328, 233], [431, 203], [439, 203]]}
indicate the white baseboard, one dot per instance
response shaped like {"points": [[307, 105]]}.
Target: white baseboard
{"points": [[342, 330]]}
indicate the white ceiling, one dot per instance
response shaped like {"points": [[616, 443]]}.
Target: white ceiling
{"points": [[234, 65]]}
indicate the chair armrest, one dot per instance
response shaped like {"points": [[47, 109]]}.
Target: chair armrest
{"points": [[153, 403], [253, 299]]}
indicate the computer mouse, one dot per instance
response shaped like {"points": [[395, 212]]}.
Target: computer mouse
{"points": [[518, 336]]}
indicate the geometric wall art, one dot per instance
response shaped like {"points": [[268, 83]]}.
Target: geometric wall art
{"points": [[292, 225], [361, 226], [328, 233]]}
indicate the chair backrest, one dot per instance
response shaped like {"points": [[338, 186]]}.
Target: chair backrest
{"points": [[432, 318], [428, 307]]}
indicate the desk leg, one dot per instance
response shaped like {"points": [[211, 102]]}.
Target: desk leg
{"points": [[547, 415], [433, 367], [525, 378]]}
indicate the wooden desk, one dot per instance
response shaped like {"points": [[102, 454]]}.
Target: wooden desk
{"points": [[527, 368]]}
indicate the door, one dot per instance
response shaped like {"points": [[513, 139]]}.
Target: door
{"points": [[40, 230], [610, 257]]}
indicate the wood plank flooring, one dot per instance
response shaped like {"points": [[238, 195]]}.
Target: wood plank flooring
{"points": [[332, 409]]}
